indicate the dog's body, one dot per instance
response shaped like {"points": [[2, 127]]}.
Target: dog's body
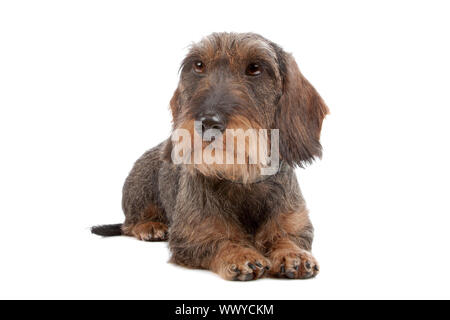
{"points": [[229, 218]]}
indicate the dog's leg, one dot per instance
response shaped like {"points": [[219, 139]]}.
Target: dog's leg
{"points": [[148, 231], [145, 219], [148, 227], [216, 244], [286, 240], [237, 262]]}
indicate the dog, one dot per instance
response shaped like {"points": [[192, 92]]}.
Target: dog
{"points": [[234, 219]]}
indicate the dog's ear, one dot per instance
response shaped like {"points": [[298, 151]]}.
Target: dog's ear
{"points": [[166, 150], [299, 117], [175, 104]]}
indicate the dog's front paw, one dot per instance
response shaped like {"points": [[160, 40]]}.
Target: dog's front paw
{"points": [[240, 263], [293, 264]]}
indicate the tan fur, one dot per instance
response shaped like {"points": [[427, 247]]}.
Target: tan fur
{"points": [[232, 262], [151, 226], [147, 231], [281, 240], [247, 165]]}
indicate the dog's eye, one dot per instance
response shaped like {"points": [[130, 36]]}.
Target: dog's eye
{"points": [[253, 69], [199, 67]]}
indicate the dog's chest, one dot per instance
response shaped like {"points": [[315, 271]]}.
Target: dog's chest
{"points": [[250, 206], [253, 216]]}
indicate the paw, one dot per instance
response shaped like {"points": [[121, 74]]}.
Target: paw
{"points": [[294, 264], [241, 264], [151, 231]]}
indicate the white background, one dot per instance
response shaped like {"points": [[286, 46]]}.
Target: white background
{"points": [[84, 91]]}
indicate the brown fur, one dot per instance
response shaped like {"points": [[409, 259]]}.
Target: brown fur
{"points": [[147, 231], [229, 218], [246, 172], [286, 241], [238, 262]]}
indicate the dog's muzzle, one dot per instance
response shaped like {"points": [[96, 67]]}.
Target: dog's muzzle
{"points": [[210, 120]]}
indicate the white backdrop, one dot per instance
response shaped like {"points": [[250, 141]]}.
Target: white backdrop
{"points": [[84, 91]]}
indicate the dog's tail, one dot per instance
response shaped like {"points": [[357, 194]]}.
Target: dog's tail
{"points": [[108, 230]]}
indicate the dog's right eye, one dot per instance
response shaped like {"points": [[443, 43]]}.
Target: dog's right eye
{"points": [[253, 69], [199, 67]]}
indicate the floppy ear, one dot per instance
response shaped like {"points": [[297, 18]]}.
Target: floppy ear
{"points": [[175, 104], [299, 116], [166, 151]]}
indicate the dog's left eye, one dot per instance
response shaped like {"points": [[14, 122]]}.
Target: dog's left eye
{"points": [[253, 69], [199, 67]]}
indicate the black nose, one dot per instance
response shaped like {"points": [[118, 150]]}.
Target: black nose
{"points": [[212, 121]]}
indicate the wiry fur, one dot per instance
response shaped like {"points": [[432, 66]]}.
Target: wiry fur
{"points": [[216, 216]]}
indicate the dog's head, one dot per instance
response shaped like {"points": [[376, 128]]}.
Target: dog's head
{"points": [[243, 83]]}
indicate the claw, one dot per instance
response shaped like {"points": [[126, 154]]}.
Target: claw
{"points": [[290, 275], [262, 273], [248, 277], [308, 265], [235, 269]]}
